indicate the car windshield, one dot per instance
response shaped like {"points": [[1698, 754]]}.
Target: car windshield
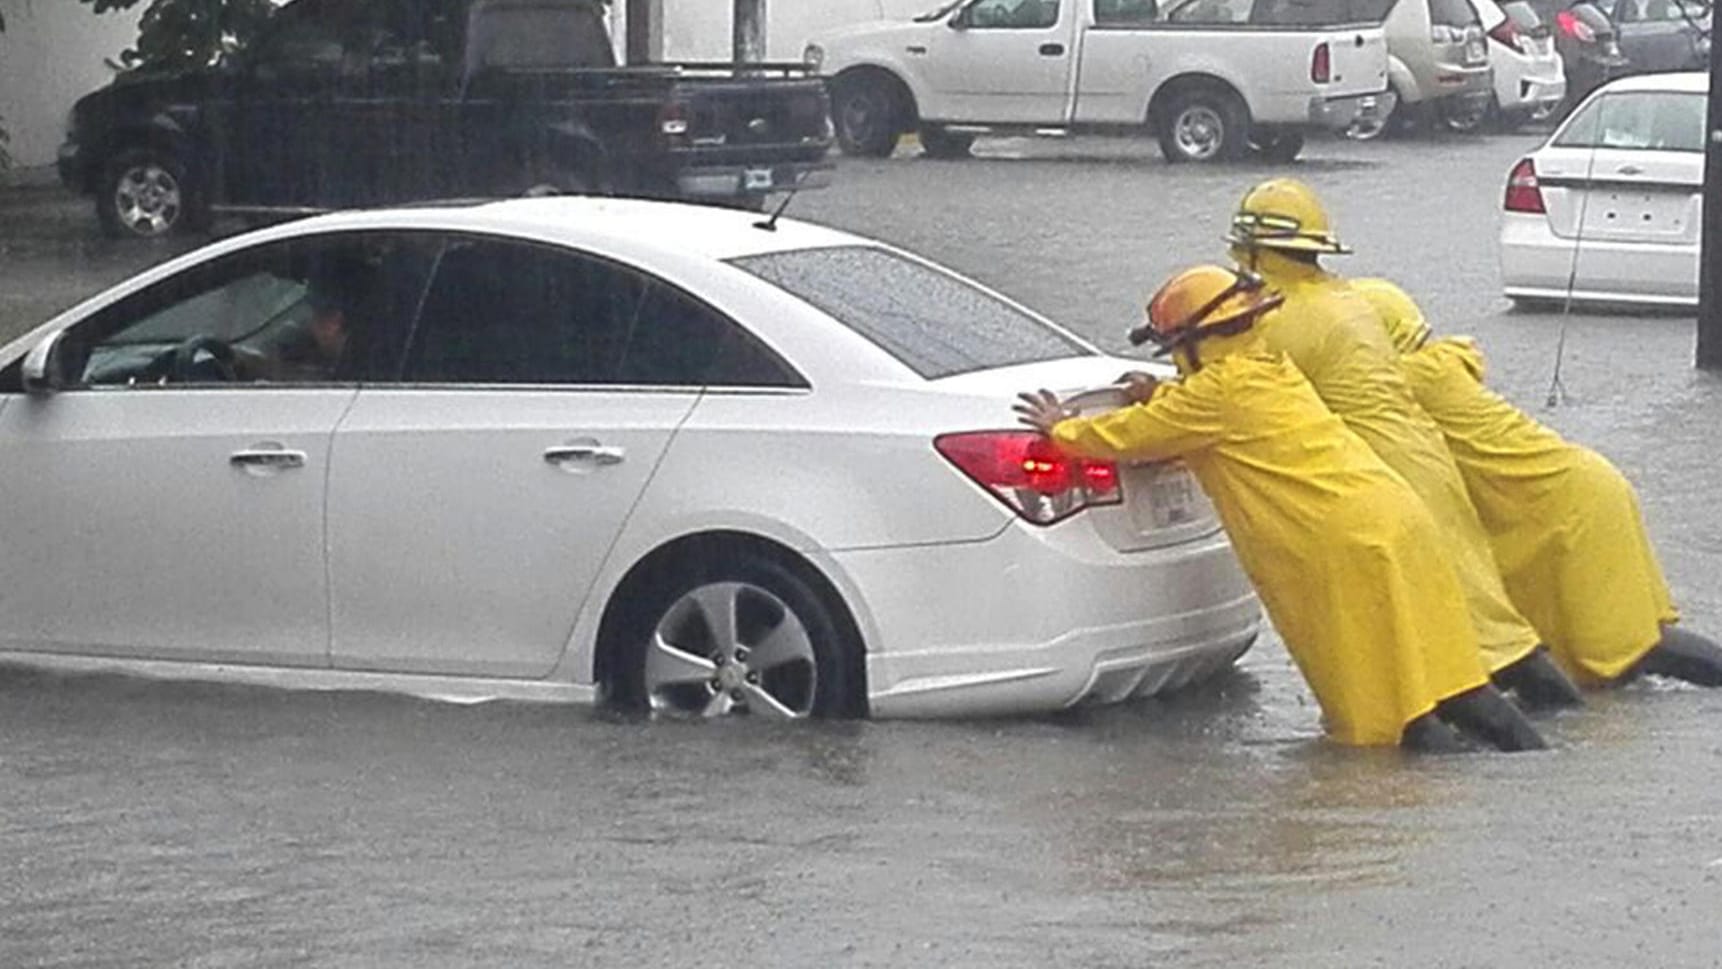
{"points": [[938, 12], [1524, 17], [937, 324]]}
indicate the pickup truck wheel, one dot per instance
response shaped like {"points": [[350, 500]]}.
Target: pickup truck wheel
{"points": [[937, 141], [869, 116], [1276, 146], [145, 193], [1204, 124]]}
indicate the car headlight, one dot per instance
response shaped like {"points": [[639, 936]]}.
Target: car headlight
{"points": [[813, 56]]}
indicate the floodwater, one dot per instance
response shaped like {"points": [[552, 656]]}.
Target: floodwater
{"points": [[153, 824]]}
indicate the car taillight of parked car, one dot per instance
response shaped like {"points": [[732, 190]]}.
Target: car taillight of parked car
{"points": [[1524, 194], [1321, 64], [1570, 24], [1025, 471], [1508, 33]]}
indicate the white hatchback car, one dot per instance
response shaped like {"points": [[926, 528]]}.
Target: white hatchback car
{"points": [[563, 449], [1609, 208], [1530, 81]]}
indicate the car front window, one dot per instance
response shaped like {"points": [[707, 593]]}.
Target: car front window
{"points": [[937, 324]]}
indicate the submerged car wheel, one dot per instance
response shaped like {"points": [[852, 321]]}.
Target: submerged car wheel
{"points": [[748, 637], [145, 194]]}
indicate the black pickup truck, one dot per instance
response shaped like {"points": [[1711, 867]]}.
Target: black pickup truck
{"points": [[342, 103]]}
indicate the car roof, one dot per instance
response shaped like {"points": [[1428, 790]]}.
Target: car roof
{"points": [[1696, 82], [622, 226]]}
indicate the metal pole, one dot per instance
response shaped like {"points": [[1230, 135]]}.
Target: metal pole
{"points": [[748, 32], [1710, 246]]}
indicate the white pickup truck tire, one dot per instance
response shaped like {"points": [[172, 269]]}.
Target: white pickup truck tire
{"points": [[1276, 145], [871, 109], [1201, 122]]}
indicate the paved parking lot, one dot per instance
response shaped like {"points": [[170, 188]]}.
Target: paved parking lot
{"points": [[143, 824]]}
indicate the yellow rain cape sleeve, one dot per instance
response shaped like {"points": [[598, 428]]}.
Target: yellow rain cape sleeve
{"points": [[1335, 338], [1565, 525], [1346, 560]]}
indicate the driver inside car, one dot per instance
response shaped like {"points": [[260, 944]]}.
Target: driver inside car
{"points": [[315, 353]]}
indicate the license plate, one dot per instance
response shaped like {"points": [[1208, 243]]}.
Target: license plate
{"points": [[1172, 498], [1476, 53], [756, 179]]}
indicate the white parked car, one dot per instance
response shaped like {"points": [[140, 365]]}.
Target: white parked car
{"points": [[1609, 208], [1530, 80], [1211, 79], [571, 448]]}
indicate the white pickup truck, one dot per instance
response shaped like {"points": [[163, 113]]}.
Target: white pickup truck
{"points": [[1211, 79]]}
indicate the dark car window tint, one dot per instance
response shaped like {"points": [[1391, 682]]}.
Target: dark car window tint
{"points": [[524, 35], [678, 341], [1211, 12], [1012, 14], [1452, 13], [266, 303], [936, 324], [1125, 13]]}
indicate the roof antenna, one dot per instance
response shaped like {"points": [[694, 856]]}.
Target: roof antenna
{"points": [[770, 225]]}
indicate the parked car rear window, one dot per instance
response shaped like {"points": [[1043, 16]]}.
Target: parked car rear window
{"points": [[1280, 13], [1648, 120], [1524, 17], [935, 323], [1452, 13]]}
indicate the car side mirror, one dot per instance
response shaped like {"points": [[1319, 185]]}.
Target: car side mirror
{"points": [[44, 371]]}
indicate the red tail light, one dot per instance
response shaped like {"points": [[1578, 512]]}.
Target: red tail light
{"points": [[1573, 27], [1523, 192], [1509, 33], [1025, 471], [1321, 64]]}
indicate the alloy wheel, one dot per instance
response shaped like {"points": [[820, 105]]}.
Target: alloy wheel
{"points": [[148, 199], [728, 648], [1199, 132]]}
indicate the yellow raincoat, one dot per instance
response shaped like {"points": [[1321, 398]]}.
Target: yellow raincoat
{"points": [[1333, 335], [1345, 558], [1565, 525]]}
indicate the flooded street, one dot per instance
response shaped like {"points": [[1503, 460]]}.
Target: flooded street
{"points": [[153, 824]]}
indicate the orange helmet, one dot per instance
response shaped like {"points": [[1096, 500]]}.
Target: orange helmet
{"points": [[1201, 302]]}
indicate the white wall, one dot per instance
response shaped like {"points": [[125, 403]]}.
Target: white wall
{"points": [[700, 29], [52, 53]]}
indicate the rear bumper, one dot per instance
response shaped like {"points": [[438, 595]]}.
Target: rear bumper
{"points": [[1530, 85], [1043, 619], [1537, 264], [70, 165], [731, 181], [1338, 114]]}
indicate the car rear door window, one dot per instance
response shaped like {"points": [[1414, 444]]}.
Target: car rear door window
{"points": [[1125, 13], [935, 323], [517, 313]]}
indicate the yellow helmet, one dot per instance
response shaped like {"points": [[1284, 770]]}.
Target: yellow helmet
{"points": [[1399, 313], [1201, 302], [1284, 213]]}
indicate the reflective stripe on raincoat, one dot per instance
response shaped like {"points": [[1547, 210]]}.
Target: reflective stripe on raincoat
{"points": [[1565, 525], [1346, 560], [1334, 336]]}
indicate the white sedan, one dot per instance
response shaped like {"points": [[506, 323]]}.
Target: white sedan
{"points": [[1609, 208], [570, 449]]}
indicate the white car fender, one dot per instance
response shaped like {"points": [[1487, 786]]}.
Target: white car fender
{"points": [[1192, 62], [882, 46], [1401, 80]]}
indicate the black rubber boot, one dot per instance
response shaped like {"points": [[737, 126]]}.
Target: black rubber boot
{"points": [[1428, 735], [1538, 682], [1486, 714], [1684, 656]]}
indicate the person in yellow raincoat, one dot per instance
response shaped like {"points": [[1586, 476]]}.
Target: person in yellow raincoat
{"points": [[1346, 560], [1331, 334], [1565, 524]]}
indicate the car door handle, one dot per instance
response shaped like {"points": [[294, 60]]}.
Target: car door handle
{"points": [[593, 454], [916, 49], [1052, 50], [1630, 170], [267, 459]]}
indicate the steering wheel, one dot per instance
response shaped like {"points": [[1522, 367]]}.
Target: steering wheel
{"points": [[185, 363]]}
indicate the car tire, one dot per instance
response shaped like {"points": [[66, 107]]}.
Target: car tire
{"points": [[1201, 124], [1399, 122], [148, 193], [937, 141], [1465, 118], [869, 115], [1276, 146], [666, 654]]}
